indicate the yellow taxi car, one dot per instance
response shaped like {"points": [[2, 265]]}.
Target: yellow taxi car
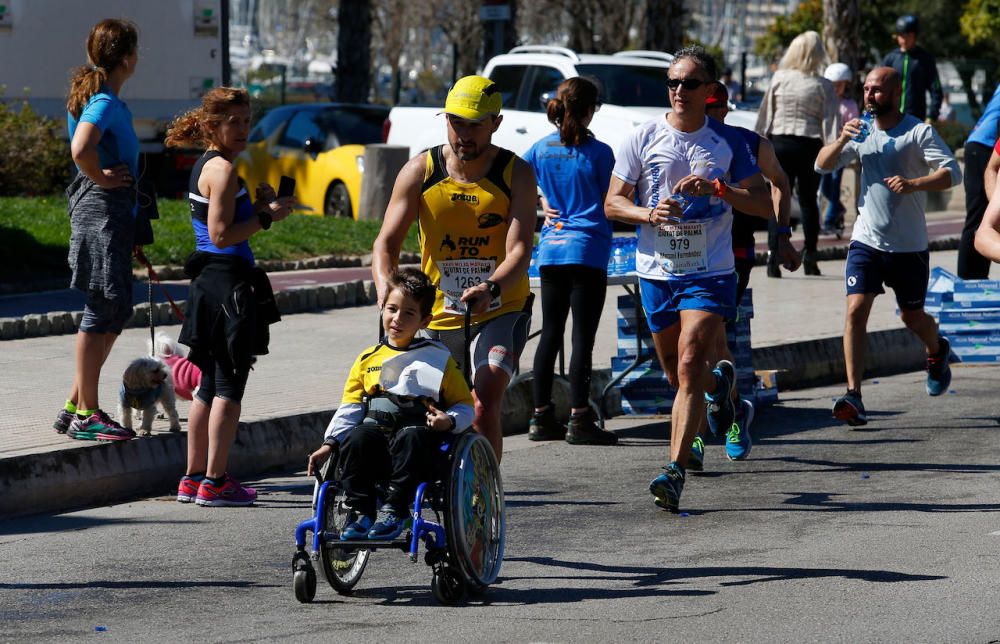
{"points": [[321, 146]]}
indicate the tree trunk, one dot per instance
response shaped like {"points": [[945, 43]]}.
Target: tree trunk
{"points": [[507, 30], [354, 34], [842, 32], [664, 25]]}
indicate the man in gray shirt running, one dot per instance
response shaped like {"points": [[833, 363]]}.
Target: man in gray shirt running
{"points": [[901, 159]]}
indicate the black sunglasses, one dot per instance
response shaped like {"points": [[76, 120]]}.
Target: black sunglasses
{"points": [[686, 83]]}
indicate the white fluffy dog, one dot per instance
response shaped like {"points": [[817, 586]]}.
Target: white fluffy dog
{"points": [[146, 382]]}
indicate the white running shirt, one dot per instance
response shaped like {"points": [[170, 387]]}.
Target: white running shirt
{"points": [[653, 158]]}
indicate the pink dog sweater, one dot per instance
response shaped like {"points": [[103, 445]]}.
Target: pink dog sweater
{"points": [[186, 375]]}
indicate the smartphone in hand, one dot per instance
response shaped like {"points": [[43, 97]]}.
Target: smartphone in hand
{"points": [[287, 187]]}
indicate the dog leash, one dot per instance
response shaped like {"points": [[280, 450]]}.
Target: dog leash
{"points": [[153, 277]]}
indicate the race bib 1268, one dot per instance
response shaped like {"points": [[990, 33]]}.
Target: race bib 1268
{"points": [[460, 274]]}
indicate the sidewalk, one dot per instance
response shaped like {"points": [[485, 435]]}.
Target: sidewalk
{"points": [[293, 391]]}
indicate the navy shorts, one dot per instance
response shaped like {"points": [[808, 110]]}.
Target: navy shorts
{"points": [[905, 273], [665, 299]]}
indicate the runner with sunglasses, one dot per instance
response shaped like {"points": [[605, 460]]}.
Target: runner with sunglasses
{"points": [[678, 178]]}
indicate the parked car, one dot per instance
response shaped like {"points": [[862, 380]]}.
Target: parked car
{"points": [[633, 85], [321, 146]]}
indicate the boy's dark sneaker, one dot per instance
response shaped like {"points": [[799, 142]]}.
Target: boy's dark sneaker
{"points": [[850, 409], [583, 430], [63, 421], [721, 410], [388, 524], [938, 369], [696, 460], [544, 427], [357, 527], [667, 487]]}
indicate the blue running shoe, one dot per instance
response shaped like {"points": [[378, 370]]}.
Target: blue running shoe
{"points": [[388, 524], [721, 410], [938, 369], [667, 488], [357, 527], [738, 440], [850, 409], [696, 460]]}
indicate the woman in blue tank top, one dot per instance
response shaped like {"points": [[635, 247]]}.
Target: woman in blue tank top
{"points": [[230, 302], [573, 170]]}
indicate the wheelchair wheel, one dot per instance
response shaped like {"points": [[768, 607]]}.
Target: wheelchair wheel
{"points": [[303, 578], [475, 522], [448, 586], [342, 568], [304, 583]]}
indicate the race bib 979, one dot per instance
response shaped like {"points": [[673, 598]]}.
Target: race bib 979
{"points": [[682, 248]]}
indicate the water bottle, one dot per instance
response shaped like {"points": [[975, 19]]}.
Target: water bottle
{"points": [[533, 266], [866, 126], [611, 257], [682, 201], [619, 258], [630, 254]]}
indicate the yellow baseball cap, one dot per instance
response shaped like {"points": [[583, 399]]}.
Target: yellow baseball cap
{"points": [[473, 98]]}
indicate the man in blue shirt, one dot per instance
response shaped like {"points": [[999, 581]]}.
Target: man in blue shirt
{"points": [[978, 148]]}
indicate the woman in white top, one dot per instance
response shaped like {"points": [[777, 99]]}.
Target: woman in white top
{"points": [[799, 114]]}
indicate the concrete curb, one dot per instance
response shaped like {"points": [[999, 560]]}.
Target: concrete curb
{"points": [[94, 473], [820, 362]]}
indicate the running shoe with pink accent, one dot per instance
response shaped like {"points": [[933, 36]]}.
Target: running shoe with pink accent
{"points": [[187, 489], [115, 425], [94, 428], [229, 493]]}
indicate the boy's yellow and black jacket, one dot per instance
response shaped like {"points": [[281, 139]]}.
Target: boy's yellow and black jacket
{"points": [[425, 368]]}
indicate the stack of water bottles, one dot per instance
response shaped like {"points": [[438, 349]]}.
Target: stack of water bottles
{"points": [[968, 314], [645, 390], [622, 259]]}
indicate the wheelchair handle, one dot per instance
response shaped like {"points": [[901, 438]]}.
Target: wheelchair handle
{"points": [[467, 325]]}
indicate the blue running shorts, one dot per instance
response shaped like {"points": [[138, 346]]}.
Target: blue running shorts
{"points": [[905, 273], [663, 300]]}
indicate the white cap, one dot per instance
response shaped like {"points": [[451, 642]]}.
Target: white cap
{"points": [[837, 72]]}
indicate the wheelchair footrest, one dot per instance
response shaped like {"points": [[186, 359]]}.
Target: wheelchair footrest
{"points": [[400, 543]]}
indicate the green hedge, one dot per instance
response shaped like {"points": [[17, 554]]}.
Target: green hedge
{"points": [[34, 158]]}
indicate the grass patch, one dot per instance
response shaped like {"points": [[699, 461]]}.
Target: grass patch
{"points": [[36, 235]]}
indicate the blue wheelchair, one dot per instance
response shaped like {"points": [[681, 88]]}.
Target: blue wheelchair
{"points": [[460, 519]]}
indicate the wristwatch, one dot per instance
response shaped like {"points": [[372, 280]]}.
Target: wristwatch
{"points": [[265, 219], [494, 288]]}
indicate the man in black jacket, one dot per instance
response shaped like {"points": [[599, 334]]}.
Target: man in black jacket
{"points": [[918, 71]]}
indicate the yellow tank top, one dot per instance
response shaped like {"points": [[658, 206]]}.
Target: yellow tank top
{"points": [[463, 237]]}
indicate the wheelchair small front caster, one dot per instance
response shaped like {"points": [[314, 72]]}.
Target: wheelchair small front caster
{"points": [[303, 578], [448, 586]]}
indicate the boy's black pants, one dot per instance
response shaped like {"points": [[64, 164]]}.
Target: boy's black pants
{"points": [[368, 457]]}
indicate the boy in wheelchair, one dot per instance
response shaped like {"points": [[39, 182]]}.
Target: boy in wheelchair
{"points": [[390, 425]]}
